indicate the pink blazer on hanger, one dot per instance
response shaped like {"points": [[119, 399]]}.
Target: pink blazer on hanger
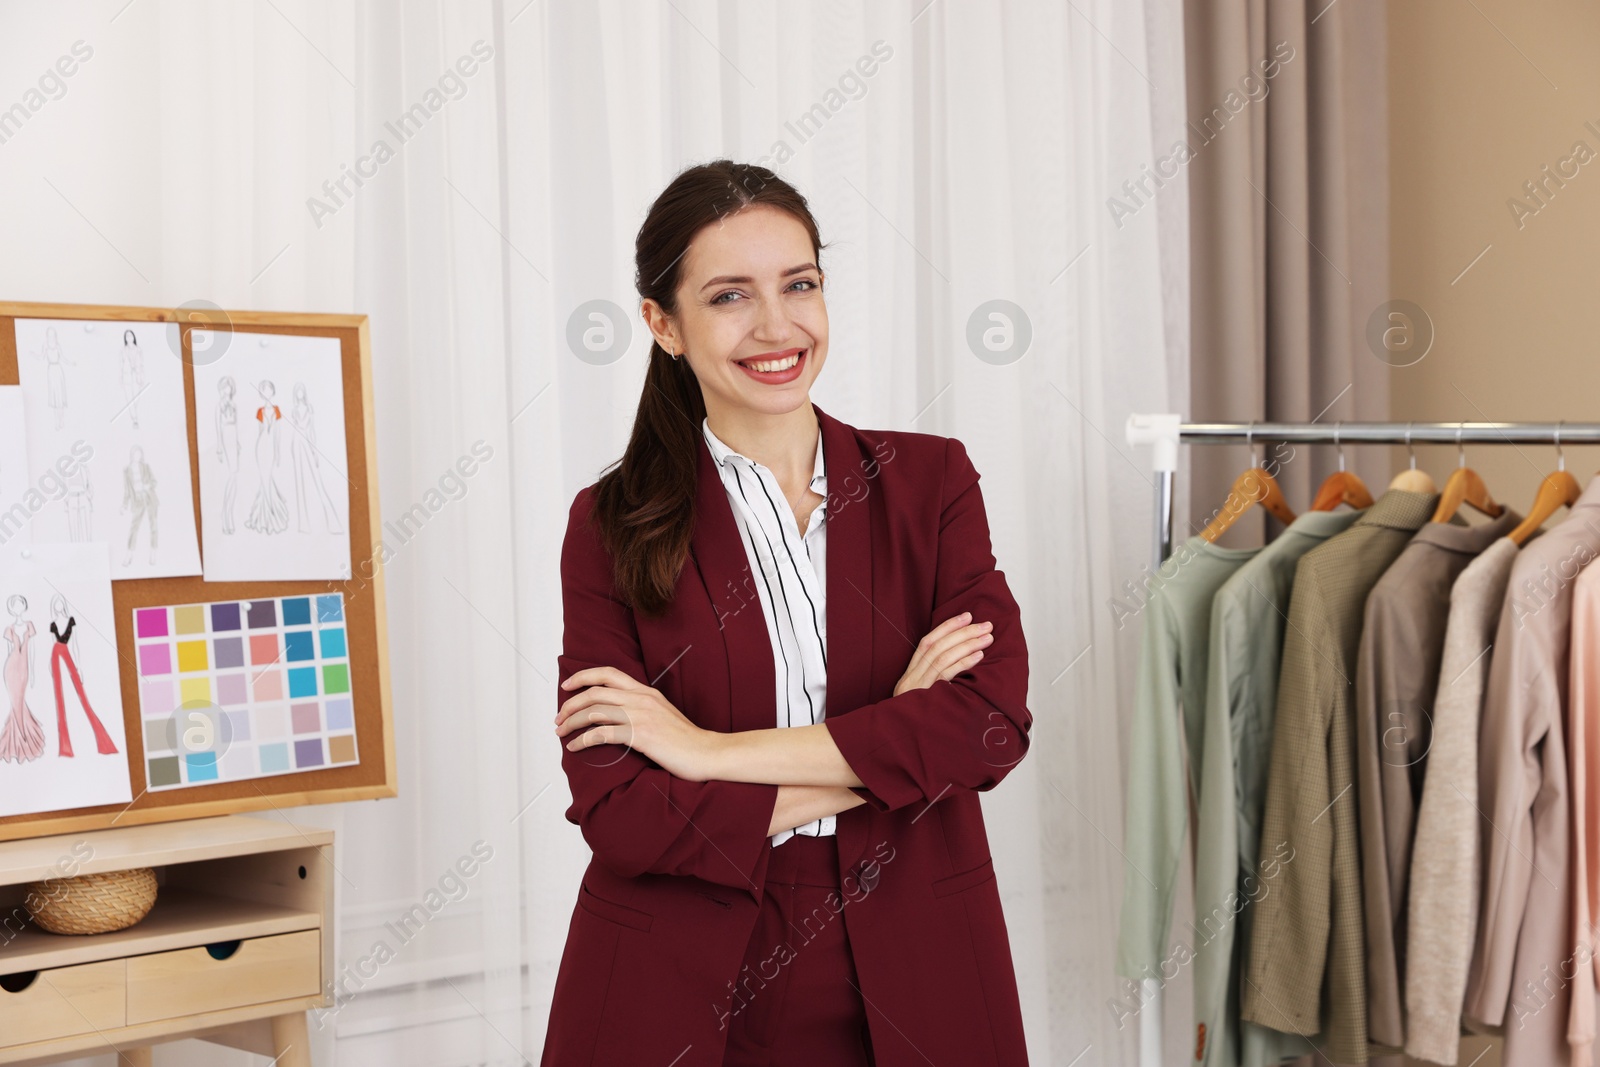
{"points": [[667, 904]]}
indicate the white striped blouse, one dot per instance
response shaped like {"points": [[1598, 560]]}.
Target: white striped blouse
{"points": [[788, 570]]}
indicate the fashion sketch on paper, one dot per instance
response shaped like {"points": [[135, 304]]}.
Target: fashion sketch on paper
{"points": [[307, 472], [269, 514], [139, 498], [227, 427], [79, 502], [62, 625], [132, 373], [22, 738], [55, 375]]}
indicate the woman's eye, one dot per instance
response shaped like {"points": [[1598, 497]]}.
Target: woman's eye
{"points": [[808, 283]]}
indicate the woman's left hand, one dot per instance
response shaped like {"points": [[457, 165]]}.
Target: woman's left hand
{"points": [[618, 709]]}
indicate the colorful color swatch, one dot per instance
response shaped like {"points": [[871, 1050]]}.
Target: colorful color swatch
{"points": [[241, 689]]}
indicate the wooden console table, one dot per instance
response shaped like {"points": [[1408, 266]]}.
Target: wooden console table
{"points": [[237, 948]]}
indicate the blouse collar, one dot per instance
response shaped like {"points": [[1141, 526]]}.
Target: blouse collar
{"points": [[727, 457]]}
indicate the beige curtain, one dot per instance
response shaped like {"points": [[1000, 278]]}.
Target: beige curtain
{"points": [[1288, 209]]}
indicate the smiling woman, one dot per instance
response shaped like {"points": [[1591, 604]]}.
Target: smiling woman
{"points": [[741, 776]]}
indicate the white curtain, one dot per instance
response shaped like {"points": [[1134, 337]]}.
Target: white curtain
{"points": [[212, 151]]}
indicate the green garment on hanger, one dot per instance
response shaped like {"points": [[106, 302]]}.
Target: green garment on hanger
{"points": [[1169, 700]]}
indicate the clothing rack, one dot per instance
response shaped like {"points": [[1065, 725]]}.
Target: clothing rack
{"points": [[1165, 432]]}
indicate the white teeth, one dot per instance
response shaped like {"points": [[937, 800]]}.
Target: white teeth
{"points": [[772, 366]]}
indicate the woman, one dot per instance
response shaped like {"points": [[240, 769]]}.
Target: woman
{"points": [[307, 468], [79, 503], [132, 373], [23, 738], [269, 514], [61, 627], [778, 781], [227, 428], [139, 496], [55, 375]]}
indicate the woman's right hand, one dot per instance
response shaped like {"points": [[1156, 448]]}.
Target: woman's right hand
{"points": [[950, 648]]}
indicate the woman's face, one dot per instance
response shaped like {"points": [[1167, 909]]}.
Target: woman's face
{"points": [[750, 295]]}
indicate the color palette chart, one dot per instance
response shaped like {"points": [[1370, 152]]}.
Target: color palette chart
{"points": [[242, 689]]}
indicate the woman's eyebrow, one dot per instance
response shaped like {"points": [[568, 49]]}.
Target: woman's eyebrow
{"points": [[723, 279]]}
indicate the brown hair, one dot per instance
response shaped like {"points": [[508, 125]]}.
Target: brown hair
{"points": [[644, 504]]}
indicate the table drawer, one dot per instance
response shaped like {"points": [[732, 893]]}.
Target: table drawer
{"points": [[169, 985], [63, 1002]]}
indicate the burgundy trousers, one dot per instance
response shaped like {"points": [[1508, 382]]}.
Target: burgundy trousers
{"points": [[796, 1002]]}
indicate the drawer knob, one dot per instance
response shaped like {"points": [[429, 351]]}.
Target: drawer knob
{"points": [[221, 950], [16, 983]]}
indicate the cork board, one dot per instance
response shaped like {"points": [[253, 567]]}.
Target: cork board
{"points": [[374, 775]]}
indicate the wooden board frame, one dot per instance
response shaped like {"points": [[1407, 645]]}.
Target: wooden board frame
{"points": [[366, 624]]}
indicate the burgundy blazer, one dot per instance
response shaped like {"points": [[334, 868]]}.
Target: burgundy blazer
{"points": [[666, 906]]}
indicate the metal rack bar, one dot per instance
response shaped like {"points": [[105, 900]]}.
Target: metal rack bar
{"points": [[1393, 433], [1166, 432]]}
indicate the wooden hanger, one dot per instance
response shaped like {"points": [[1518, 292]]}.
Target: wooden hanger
{"points": [[1254, 486], [1465, 486], [1342, 486], [1411, 479], [1559, 489]]}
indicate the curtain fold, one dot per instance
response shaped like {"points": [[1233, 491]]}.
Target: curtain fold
{"points": [[981, 284], [1288, 235]]}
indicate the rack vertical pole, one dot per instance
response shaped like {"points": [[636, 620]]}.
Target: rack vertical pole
{"points": [[1161, 432]]}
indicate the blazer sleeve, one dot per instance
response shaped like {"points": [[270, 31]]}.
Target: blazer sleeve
{"points": [[1157, 812], [636, 816], [1510, 745], [968, 732]]}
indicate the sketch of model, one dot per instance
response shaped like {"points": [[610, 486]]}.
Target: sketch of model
{"points": [[23, 737], [269, 514], [227, 419], [132, 373], [307, 471], [61, 626], [139, 495], [79, 502], [55, 375]]}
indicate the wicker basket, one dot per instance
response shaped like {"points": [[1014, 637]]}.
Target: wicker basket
{"points": [[92, 903]]}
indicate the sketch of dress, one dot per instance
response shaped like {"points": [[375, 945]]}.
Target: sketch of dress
{"points": [[228, 446], [55, 376], [23, 737], [307, 472], [132, 373], [79, 502], [139, 496], [61, 653], [269, 514]]}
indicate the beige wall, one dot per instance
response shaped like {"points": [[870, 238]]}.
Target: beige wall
{"points": [[1480, 102], [1473, 115]]}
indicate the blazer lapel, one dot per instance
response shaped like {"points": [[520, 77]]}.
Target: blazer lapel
{"points": [[719, 553], [851, 502], [849, 578]]}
